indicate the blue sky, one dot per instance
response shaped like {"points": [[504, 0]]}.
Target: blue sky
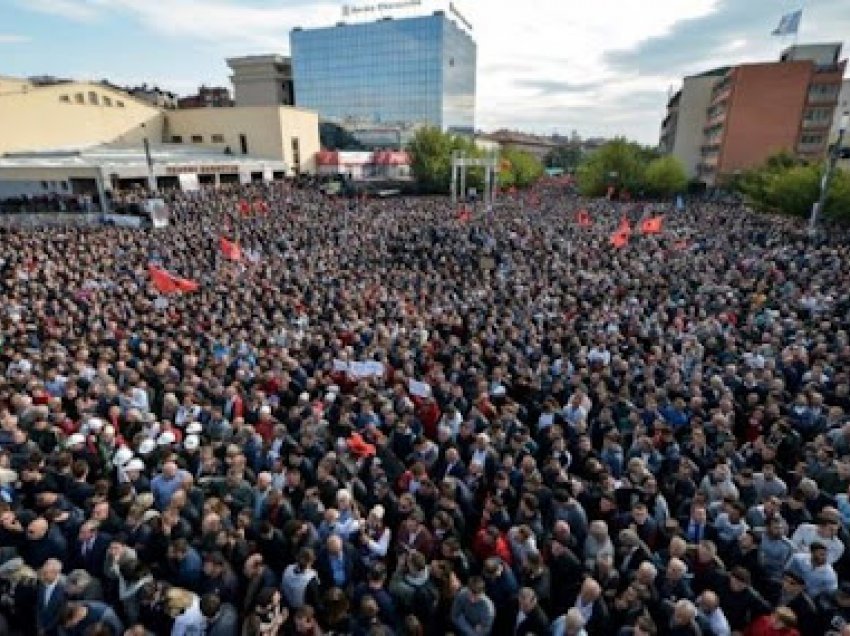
{"points": [[600, 68]]}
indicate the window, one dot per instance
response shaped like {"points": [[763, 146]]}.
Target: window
{"points": [[120, 104], [296, 154], [197, 139], [65, 98], [243, 143], [176, 139], [107, 101], [79, 98], [217, 139], [812, 139], [93, 98]]}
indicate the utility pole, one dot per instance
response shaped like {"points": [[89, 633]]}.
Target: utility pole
{"points": [[817, 208]]}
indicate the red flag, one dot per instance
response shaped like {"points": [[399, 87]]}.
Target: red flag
{"points": [[583, 218], [652, 225], [619, 239], [230, 250], [244, 207], [185, 284], [624, 227], [167, 283]]}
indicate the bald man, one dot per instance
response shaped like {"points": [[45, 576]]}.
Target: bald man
{"points": [[42, 543]]}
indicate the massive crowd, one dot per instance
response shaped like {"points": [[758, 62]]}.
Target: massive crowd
{"points": [[385, 419]]}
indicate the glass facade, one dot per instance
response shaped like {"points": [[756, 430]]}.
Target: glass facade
{"points": [[412, 70]]}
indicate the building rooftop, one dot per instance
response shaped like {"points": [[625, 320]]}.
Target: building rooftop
{"points": [[115, 155]]}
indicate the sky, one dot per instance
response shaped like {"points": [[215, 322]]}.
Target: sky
{"points": [[600, 67]]}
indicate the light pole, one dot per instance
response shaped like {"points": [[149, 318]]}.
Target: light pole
{"points": [[827, 175], [149, 160]]}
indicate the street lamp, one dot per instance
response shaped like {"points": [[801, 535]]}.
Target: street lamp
{"points": [[149, 160], [827, 175]]}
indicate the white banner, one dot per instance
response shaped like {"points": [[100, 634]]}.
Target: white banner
{"points": [[419, 389], [359, 370], [189, 182]]}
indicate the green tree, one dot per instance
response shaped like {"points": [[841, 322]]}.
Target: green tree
{"points": [[619, 163], [786, 184], [665, 176], [566, 157], [431, 159], [519, 168]]}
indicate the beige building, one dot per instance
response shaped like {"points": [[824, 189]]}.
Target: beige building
{"points": [[74, 115], [682, 129], [262, 80], [72, 118], [284, 133]]}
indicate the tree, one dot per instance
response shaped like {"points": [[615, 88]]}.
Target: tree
{"points": [[617, 163], [431, 159], [665, 176], [565, 157], [788, 185], [519, 168]]}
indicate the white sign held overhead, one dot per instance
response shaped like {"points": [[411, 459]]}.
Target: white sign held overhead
{"points": [[419, 389]]}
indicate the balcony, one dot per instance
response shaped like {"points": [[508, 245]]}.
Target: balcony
{"points": [[823, 94], [817, 124], [811, 148]]}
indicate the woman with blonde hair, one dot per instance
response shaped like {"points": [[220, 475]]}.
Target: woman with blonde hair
{"points": [[185, 608]]}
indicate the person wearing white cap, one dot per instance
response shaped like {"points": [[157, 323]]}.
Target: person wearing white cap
{"points": [[166, 438], [133, 474], [147, 446], [192, 443], [122, 456], [76, 440], [194, 428]]}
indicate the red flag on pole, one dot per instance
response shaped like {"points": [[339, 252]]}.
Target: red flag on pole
{"points": [[624, 227], [619, 239], [230, 250], [652, 225], [583, 218]]}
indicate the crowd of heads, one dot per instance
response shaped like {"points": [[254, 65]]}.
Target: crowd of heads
{"points": [[386, 418]]}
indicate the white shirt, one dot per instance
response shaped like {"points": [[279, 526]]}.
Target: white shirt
{"points": [[48, 592], [191, 622], [807, 534], [719, 624]]}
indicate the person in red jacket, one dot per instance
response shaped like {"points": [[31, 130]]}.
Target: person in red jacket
{"points": [[490, 542], [782, 622]]}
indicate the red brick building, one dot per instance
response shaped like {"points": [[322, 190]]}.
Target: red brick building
{"points": [[756, 110]]}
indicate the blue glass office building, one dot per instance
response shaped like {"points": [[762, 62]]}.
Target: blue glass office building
{"points": [[418, 70]]}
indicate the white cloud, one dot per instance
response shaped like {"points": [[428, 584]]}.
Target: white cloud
{"points": [[78, 10], [13, 38], [542, 64]]}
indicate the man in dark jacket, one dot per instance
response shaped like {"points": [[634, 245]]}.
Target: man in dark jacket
{"points": [[531, 620], [222, 618], [741, 603]]}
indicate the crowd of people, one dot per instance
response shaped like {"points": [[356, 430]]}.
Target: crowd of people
{"points": [[380, 417]]}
